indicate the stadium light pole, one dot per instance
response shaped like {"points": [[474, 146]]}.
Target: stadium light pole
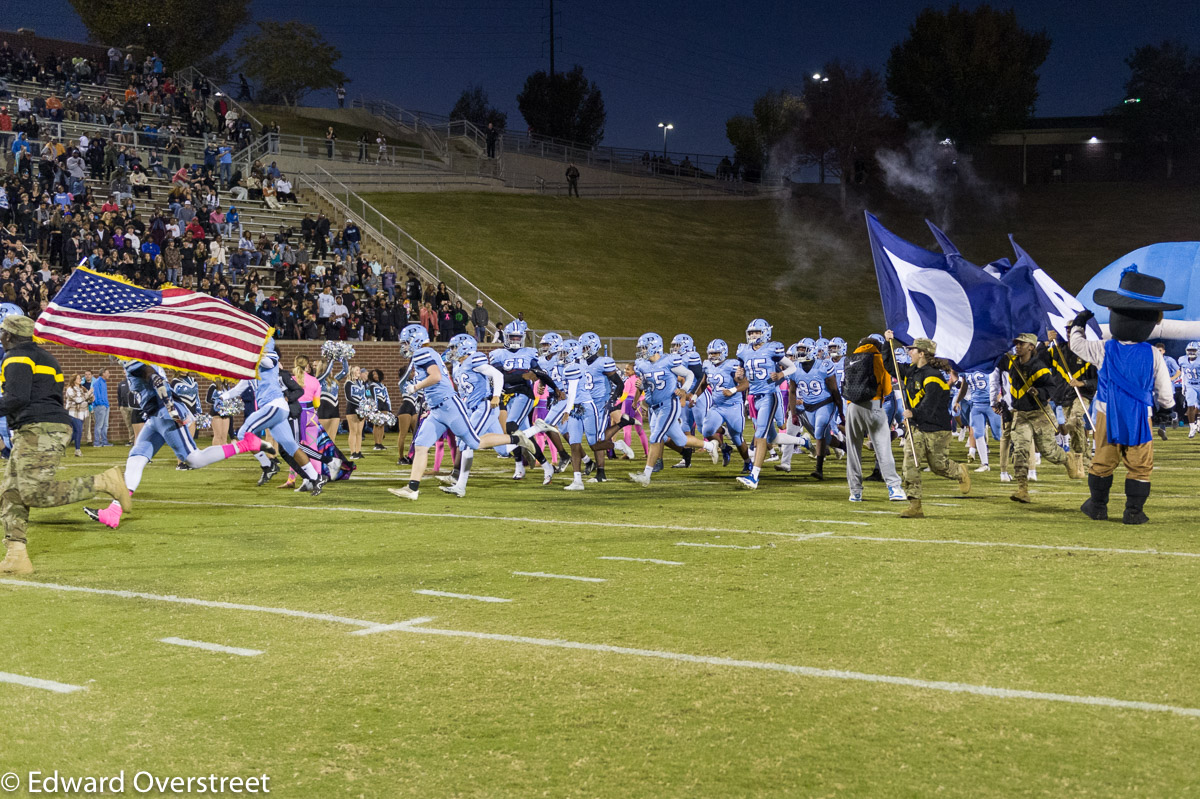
{"points": [[665, 127]]}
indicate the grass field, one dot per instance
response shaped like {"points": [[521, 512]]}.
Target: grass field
{"points": [[621, 266], [487, 699]]}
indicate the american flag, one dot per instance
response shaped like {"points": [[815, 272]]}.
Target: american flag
{"points": [[174, 328]]}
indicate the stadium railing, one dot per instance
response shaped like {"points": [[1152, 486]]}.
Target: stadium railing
{"points": [[397, 242]]}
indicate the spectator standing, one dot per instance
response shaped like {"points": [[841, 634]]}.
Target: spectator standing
{"points": [[868, 384], [330, 136], [362, 146], [479, 320], [492, 136], [572, 180], [341, 95], [100, 409], [76, 400]]}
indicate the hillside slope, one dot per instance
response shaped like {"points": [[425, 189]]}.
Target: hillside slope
{"points": [[621, 267]]}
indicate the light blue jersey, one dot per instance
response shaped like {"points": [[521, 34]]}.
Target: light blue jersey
{"points": [[423, 360], [1191, 371], [521, 360], [473, 386], [148, 400], [267, 387], [722, 376], [760, 364], [596, 381], [809, 382], [659, 383], [977, 387]]}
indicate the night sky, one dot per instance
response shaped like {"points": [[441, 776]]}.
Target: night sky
{"points": [[691, 63]]}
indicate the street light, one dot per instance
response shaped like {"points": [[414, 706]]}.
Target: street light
{"points": [[819, 78], [665, 127]]}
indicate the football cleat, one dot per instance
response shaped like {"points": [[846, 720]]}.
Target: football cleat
{"points": [[897, 495], [268, 472], [641, 478], [747, 482], [984, 469], [403, 493], [713, 447], [448, 479], [451, 489], [623, 449], [573, 486]]}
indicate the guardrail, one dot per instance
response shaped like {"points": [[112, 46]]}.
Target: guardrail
{"points": [[396, 241], [192, 75]]}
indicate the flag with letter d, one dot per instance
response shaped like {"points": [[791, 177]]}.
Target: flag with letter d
{"points": [[940, 297]]}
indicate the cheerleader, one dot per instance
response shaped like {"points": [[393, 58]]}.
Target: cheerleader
{"points": [[220, 412], [355, 389], [630, 404], [302, 409], [383, 403], [187, 390], [328, 412], [407, 413]]}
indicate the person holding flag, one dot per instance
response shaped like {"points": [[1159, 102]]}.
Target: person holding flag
{"points": [[927, 414]]}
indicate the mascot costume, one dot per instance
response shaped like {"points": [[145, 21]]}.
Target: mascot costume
{"points": [[1133, 380]]}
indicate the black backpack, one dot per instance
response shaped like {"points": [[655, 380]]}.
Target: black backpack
{"points": [[860, 383]]}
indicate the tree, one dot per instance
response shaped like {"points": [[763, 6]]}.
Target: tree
{"points": [[564, 106], [288, 60], [473, 106], [179, 32], [844, 121], [766, 138], [966, 73], [1162, 111]]}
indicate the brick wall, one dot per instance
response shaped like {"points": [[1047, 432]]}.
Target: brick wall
{"points": [[368, 355]]}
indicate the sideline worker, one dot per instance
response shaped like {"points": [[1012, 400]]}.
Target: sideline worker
{"points": [[33, 402]]}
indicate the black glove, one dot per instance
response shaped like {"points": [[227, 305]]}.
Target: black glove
{"points": [[1162, 417], [1081, 319]]}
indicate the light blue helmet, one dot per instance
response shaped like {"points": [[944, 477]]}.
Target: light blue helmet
{"points": [[550, 343], [806, 349], [590, 344], [412, 338], [821, 348], [1193, 348], [571, 350], [793, 351], [901, 354], [878, 339], [683, 343], [717, 347], [649, 345], [461, 347], [757, 331], [514, 334], [837, 347]]}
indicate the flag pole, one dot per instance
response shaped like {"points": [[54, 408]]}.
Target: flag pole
{"points": [[903, 402]]}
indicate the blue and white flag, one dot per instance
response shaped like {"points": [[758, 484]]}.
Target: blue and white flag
{"points": [[1052, 306], [941, 297]]}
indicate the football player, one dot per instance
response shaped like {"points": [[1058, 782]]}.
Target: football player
{"points": [[518, 363], [480, 385], [764, 366], [728, 407], [817, 389], [446, 410]]}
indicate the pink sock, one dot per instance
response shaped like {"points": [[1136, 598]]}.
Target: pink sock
{"points": [[438, 452], [249, 443], [111, 516], [229, 450]]}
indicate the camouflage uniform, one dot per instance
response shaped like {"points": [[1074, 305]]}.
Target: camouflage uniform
{"points": [[1077, 431], [29, 477], [1032, 428], [933, 449]]}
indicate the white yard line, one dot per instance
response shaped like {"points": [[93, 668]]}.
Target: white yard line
{"points": [[642, 560], [807, 671], [317, 506], [207, 647], [715, 546], [412, 626], [45, 685], [677, 528], [450, 595], [203, 603], [834, 521], [561, 577]]}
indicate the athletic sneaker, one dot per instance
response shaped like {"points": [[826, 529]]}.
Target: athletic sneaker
{"points": [[714, 449], [681, 465], [573, 486], [658, 466], [268, 472], [897, 495], [547, 473], [641, 478], [452, 489], [1005, 477], [448, 479], [623, 449], [1033, 475], [726, 454], [747, 481], [597, 479], [856, 498], [783, 467], [379, 448], [403, 493], [589, 466], [984, 468]]}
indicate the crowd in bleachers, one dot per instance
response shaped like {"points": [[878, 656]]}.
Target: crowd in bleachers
{"points": [[154, 195]]}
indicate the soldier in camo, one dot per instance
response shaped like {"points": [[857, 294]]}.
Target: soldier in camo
{"points": [[33, 402]]}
